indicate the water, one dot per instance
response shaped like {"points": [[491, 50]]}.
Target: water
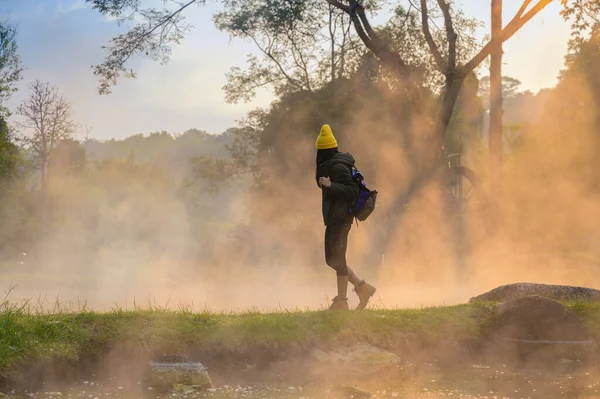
{"points": [[406, 381]]}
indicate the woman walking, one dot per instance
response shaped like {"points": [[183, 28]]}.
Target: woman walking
{"points": [[339, 191]]}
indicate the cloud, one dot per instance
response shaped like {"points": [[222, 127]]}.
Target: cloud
{"points": [[68, 6]]}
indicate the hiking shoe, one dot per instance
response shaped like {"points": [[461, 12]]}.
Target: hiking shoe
{"points": [[364, 291], [339, 304]]}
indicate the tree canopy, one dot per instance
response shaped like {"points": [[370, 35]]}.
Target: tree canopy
{"points": [[10, 74], [290, 27], [306, 43], [11, 68]]}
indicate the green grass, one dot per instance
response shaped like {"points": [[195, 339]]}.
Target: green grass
{"points": [[589, 313], [28, 336]]}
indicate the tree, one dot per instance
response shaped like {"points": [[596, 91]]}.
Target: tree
{"points": [[244, 150], [330, 53], [9, 157], [68, 157], [12, 211], [583, 15], [10, 65], [579, 82], [160, 28], [496, 111], [47, 121], [466, 125], [10, 74], [297, 53]]}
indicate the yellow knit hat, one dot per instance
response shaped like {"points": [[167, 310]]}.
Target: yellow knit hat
{"points": [[326, 140]]}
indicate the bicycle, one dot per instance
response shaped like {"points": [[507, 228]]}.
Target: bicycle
{"points": [[468, 205], [463, 197]]}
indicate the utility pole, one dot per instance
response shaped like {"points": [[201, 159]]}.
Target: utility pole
{"points": [[496, 111]]}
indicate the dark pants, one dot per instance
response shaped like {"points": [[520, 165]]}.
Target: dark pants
{"points": [[336, 242]]}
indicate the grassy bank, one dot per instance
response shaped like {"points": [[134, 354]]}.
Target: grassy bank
{"points": [[29, 337]]}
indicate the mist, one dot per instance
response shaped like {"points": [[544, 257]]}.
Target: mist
{"points": [[232, 221], [133, 227]]}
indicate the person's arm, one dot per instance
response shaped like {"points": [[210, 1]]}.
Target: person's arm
{"points": [[342, 183]]}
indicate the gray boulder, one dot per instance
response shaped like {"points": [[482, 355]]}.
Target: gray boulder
{"points": [[167, 376], [555, 292], [537, 319], [540, 332]]}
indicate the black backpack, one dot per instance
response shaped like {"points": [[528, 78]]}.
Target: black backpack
{"points": [[364, 204]]}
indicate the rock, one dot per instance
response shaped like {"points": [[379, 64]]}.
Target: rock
{"points": [[534, 318], [173, 358], [542, 330], [165, 376], [556, 292]]}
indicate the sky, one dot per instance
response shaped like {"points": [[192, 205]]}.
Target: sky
{"points": [[60, 40]]}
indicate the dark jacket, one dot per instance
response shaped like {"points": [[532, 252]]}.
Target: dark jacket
{"points": [[338, 198]]}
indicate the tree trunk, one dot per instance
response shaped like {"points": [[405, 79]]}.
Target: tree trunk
{"points": [[332, 36], [43, 175], [453, 86], [44, 189], [495, 128], [346, 33]]}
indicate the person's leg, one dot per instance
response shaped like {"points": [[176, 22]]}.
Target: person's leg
{"points": [[336, 241], [353, 278], [342, 288]]}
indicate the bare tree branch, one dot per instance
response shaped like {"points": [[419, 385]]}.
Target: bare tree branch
{"points": [[332, 40], [435, 51], [358, 9], [451, 36], [258, 85], [361, 33], [340, 5], [346, 37], [524, 6], [168, 18], [142, 38], [299, 60], [372, 41], [360, 30], [267, 52], [410, 7], [513, 26]]}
